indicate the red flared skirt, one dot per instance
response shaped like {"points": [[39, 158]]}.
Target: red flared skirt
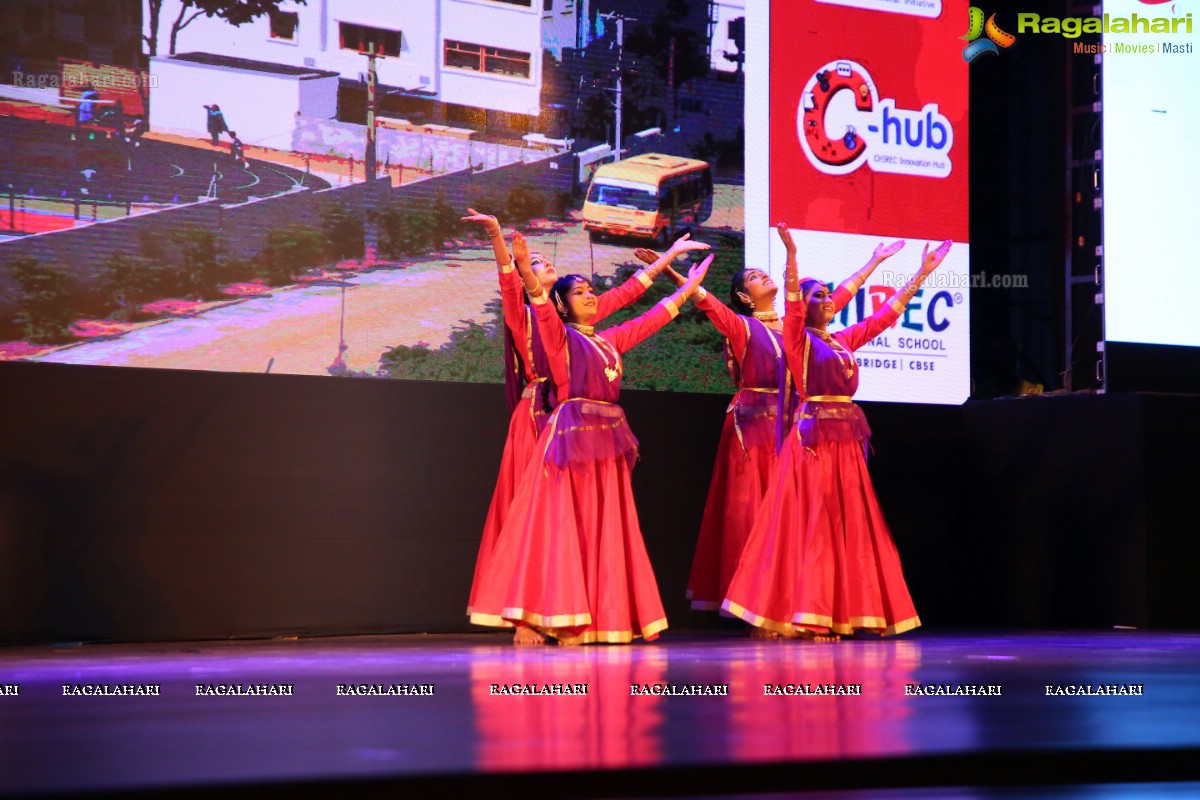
{"points": [[570, 560], [739, 483], [820, 555], [519, 450]]}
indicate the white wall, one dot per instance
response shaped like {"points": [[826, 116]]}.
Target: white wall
{"points": [[317, 98], [424, 25], [494, 25], [727, 10], [759, 236], [560, 26], [417, 21], [259, 106], [317, 38]]}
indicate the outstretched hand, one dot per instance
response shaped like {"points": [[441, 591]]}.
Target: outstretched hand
{"points": [[486, 220], [785, 234], [930, 261], [696, 274], [520, 251], [645, 255], [885, 251], [685, 244]]}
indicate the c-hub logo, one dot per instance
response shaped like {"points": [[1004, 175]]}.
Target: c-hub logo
{"points": [[995, 37], [842, 124]]}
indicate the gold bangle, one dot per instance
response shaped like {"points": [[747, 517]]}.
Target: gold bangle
{"points": [[900, 301]]}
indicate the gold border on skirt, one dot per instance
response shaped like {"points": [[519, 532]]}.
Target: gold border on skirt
{"points": [[804, 619], [558, 626]]}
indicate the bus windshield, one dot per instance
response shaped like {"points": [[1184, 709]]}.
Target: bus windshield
{"points": [[623, 197]]}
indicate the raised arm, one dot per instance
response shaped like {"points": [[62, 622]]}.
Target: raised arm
{"points": [[620, 296], [636, 286], [795, 307], [731, 325], [492, 226], [512, 293], [632, 333], [855, 336], [554, 340], [846, 290], [550, 327]]}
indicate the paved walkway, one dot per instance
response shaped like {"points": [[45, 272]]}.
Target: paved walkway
{"points": [[296, 330]]}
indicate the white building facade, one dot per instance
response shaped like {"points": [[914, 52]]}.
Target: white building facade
{"points": [[723, 13], [461, 55]]}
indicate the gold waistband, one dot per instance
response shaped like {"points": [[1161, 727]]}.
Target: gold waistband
{"points": [[746, 411], [601, 408], [828, 398], [531, 387]]}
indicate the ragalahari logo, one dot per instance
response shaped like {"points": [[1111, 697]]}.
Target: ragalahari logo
{"points": [[996, 38]]}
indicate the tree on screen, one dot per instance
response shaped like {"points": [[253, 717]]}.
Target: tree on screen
{"points": [[44, 311], [660, 53], [688, 58], [201, 266], [235, 12]]}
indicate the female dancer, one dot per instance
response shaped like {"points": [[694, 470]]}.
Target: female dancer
{"points": [[746, 455], [526, 365], [570, 562], [820, 560]]}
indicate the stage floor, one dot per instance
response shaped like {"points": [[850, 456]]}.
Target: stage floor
{"points": [[451, 714]]}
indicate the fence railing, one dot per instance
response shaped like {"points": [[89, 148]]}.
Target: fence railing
{"points": [[25, 213]]}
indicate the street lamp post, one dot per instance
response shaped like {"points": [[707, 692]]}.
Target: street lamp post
{"points": [[371, 83], [620, 53], [370, 164], [620, 20]]}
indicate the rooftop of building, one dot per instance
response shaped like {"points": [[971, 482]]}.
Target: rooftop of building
{"points": [[232, 62]]}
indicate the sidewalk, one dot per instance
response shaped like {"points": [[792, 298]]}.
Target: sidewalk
{"points": [[297, 329]]}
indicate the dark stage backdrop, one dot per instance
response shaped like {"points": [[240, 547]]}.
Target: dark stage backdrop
{"points": [[157, 505]]}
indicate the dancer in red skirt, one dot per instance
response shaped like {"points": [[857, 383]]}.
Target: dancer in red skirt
{"points": [[526, 368], [570, 562], [820, 561], [746, 455]]}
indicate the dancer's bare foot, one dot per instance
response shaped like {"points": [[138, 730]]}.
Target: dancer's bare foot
{"points": [[819, 636], [764, 633], [527, 637]]}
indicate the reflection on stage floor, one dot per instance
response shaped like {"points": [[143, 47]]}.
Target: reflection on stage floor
{"points": [[707, 712]]}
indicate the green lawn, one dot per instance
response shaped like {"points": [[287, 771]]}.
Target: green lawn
{"points": [[685, 356]]}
